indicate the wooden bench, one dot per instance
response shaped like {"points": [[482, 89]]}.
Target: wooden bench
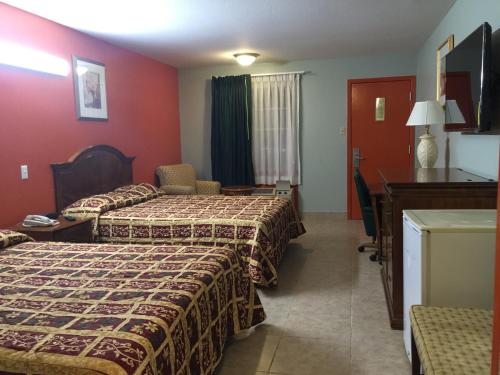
{"points": [[450, 341]]}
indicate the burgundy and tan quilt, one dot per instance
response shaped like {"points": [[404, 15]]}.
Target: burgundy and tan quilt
{"points": [[259, 228], [120, 309]]}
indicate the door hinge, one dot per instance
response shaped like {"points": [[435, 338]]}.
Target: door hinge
{"points": [[409, 149], [410, 96]]}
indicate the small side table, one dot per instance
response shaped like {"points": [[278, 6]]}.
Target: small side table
{"points": [[79, 230], [237, 190]]}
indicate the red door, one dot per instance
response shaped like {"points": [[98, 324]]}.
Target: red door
{"points": [[382, 141]]}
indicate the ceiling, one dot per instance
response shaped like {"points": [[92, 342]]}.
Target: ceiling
{"points": [[196, 33]]}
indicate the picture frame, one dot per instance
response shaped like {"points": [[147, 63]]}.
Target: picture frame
{"points": [[441, 52], [90, 89]]}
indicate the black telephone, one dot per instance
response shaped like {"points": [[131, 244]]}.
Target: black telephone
{"points": [[39, 221]]}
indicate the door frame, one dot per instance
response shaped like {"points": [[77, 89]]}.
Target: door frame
{"points": [[350, 82]]}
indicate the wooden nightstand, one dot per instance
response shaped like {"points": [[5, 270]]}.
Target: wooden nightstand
{"points": [[66, 231]]}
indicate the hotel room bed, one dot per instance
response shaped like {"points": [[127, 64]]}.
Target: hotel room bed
{"points": [[119, 309], [259, 228]]}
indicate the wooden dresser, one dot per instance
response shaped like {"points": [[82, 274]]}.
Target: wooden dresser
{"points": [[434, 188]]}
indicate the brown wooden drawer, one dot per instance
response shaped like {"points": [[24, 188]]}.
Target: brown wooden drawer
{"points": [[387, 216]]}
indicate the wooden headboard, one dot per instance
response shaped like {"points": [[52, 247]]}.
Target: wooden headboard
{"points": [[94, 170]]}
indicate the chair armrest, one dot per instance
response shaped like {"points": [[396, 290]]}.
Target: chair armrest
{"points": [[177, 189], [207, 187]]}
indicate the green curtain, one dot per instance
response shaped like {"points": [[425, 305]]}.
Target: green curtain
{"points": [[232, 130]]}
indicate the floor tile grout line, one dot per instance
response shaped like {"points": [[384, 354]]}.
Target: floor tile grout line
{"points": [[274, 355], [277, 346]]}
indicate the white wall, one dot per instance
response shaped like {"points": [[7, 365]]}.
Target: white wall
{"points": [[477, 153], [325, 105], [324, 109]]}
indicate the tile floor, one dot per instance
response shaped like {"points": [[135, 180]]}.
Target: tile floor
{"points": [[327, 316]]}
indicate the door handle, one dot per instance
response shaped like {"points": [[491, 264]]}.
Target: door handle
{"points": [[356, 157]]}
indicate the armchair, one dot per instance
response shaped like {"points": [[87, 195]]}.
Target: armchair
{"points": [[181, 179]]}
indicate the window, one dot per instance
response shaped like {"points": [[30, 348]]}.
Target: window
{"points": [[275, 128]]}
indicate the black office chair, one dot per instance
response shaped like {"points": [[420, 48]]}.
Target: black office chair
{"points": [[367, 214]]}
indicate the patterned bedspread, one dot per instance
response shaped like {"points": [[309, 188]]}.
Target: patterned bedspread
{"points": [[120, 309], [259, 228]]}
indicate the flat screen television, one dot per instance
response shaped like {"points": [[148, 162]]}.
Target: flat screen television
{"points": [[467, 87]]}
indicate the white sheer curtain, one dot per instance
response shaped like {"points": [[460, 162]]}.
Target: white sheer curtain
{"points": [[275, 128]]}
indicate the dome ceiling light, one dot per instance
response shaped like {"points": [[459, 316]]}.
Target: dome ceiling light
{"points": [[245, 59]]}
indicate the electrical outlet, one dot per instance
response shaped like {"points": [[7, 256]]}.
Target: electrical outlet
{"points": [[24, 172], [342, 131]]}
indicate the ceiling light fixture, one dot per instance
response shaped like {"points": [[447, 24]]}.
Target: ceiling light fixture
{"points": [[245, 59]]}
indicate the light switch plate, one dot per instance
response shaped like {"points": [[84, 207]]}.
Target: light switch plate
{"points": [[24, 172]]}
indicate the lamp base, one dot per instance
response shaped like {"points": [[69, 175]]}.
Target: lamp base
{"points": [[427, 151]]}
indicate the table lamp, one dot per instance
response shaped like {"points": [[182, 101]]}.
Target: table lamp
{"points": [[453, 114], [425, 114]]}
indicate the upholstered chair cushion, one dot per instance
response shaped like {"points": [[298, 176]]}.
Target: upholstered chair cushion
{"points": [[179, 174], [184, 175], [208, 187], [178, 190], [452, 341], [10, 238]]}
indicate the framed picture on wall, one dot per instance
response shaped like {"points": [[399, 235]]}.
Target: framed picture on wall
{"points": [[441, 52], [90, 89]]}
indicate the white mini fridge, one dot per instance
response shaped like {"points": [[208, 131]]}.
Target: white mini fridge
{"points": [[448, 260]]}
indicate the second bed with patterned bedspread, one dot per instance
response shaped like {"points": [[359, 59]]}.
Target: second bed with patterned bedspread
{"points": [[120, 309], [259, 228]]}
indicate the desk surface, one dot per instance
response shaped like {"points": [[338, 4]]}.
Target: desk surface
{"points": [[376, 188], [429, 176]]}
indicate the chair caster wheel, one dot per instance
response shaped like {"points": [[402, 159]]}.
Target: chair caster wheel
{"points": [[361, 248], [374, 257]]}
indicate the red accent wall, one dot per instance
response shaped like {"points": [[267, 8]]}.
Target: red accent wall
{"points": [[38, 124]]}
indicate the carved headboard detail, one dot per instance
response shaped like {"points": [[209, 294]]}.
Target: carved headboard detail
{"points": [[94, 170]]}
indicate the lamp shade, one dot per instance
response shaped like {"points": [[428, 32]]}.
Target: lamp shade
{"points": [[426, 113], [453, 114]]}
